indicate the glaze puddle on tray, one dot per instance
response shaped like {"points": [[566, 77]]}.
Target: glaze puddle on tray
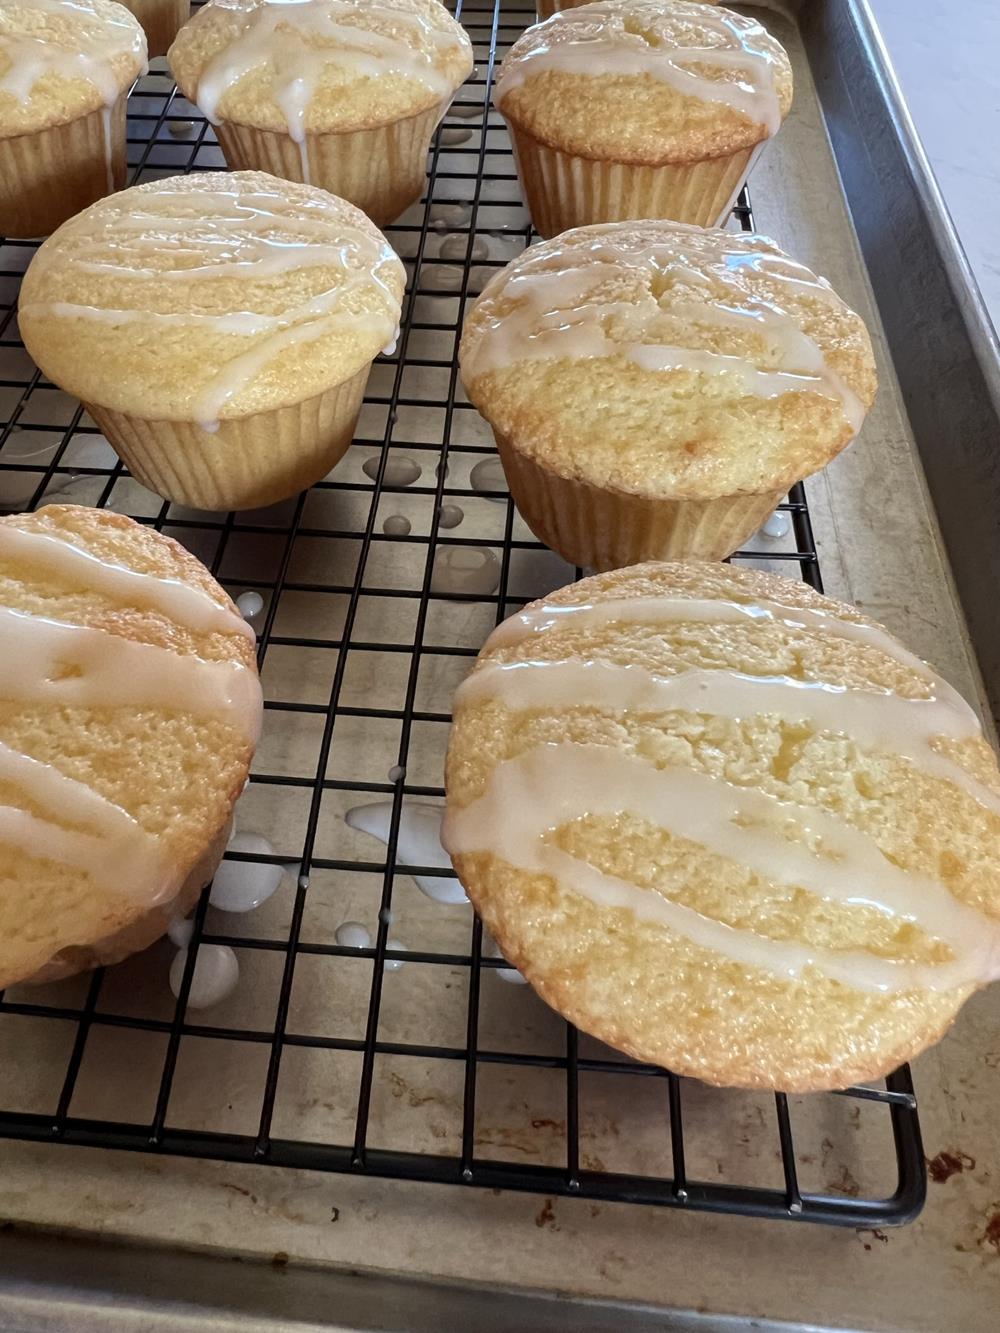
{"points": [[418, 843], [240, 886], [216, 972], [465, 569], [487, 475], [457, 247], [250, 604], [353, 935], [398, 471], [396, 525], [458, 134], [449, 516], [778, 525], [445, 278]]}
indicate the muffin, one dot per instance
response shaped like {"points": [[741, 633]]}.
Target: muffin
{"points": [[655, 389], [218, 328], [65, 70], [161, 21], [340, 93], [727, 825], [129, 711], [640, 109]]}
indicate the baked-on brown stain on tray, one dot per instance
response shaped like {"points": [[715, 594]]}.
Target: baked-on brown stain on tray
{"points": [[991, 1236], [948, 1164]]}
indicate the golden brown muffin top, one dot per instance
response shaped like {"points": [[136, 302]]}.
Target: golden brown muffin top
{"points": [[319, 65], [61, 59], [727, 824], [210, 296], [646, 81], [667, 360], [129, 710]]}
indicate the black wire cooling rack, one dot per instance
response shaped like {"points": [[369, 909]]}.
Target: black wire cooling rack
{"points": [[459, 1077]]}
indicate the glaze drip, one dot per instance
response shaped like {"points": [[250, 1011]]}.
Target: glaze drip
{"points": [[297, 41], [97, 45]]}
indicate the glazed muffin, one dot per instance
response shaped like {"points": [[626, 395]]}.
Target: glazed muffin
{"points": [[340, 93], [65, 70], [640, 109], [161, 21], [655, 389], [219, 328], [727, 825], [129, 711]]}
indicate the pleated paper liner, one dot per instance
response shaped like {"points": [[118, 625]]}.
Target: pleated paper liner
{"points": [[564, 191], [50, 175], [605, 529], [381, 170], [248, 462]]}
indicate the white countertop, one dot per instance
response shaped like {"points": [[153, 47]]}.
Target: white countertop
{"points": [[946, 59]]}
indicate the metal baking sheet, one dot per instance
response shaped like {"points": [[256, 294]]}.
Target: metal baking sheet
{"points": [[879, 545]]}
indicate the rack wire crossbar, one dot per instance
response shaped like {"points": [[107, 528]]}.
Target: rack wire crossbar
{"points": [[470, 222]]}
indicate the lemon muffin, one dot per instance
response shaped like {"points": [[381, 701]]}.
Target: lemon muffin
{"points": [[219, 328], [343, 93], [640, 109], [161, 21], [65, 70], [655, 389], [727, 825], [129, 711]]}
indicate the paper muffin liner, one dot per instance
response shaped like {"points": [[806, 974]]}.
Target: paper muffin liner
{"points": [[602, 529], [161, 21], [564, 191], [248, 462], [48, 176], [382, 170]]}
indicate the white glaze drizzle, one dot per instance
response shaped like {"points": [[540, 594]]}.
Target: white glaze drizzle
{"points": [[539, 791], [246, 235], [654, 611], [117, 850], [97, 46], [178, 601], [875, 720], [61, 664], [559, 313], [296, 42], [593, 40]]}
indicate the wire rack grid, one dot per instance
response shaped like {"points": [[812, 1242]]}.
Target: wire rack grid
{"points": [[316, 1062]]}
